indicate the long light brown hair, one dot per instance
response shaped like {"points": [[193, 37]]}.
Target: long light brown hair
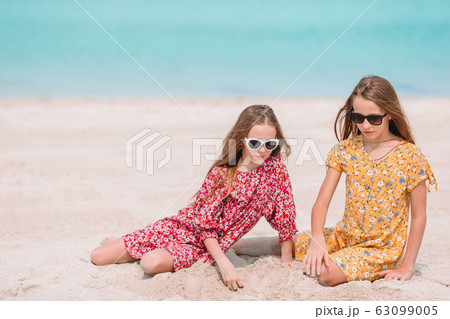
{"points": [[382, 93], [233, 144]]}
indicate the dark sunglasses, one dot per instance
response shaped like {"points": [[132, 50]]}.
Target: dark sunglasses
{"points": [[255, 144], [373, 119]]}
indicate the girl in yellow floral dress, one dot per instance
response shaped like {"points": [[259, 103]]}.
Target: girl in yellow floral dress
{"points": [[386, 175]]}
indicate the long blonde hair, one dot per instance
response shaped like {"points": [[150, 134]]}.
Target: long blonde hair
{"points": [[382, 93], [232, 146]]}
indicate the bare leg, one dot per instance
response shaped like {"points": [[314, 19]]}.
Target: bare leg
{"points": [[107, 240], [257, 246], [112, 251], [331, 276], [157, 261]]}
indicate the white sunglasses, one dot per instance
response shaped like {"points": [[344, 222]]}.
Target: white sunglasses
{"points": [[255, 144]]}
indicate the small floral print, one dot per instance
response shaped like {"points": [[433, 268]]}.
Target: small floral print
{"points": [[372, 235], [263, 192]]}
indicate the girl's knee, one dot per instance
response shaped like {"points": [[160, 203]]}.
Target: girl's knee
{"points": [[331, 279], [324, 280], [97, 257], [155, 263], [149, 265]]}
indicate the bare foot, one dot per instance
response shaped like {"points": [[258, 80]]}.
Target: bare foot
{"points": [[107, 240]]}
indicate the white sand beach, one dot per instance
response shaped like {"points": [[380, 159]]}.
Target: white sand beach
{"points": [[64, 186]]}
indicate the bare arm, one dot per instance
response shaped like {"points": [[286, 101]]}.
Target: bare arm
{"points": [[418, 222], [317, 252], [227, 269]]}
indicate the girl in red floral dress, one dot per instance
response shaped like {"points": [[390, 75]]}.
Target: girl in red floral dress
{"points": [[247, 182]]}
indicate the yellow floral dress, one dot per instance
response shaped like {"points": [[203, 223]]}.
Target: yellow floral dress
{"points": [[372, 234]]}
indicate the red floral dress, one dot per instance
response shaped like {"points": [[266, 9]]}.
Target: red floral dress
{"points": [[265, 191]]}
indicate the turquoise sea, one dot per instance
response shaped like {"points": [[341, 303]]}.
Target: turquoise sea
{"points": [[52, 48]]}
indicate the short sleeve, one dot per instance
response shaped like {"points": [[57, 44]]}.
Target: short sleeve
{"points": [[335, 158], [419, 170], [208, 204], [283, 215]]}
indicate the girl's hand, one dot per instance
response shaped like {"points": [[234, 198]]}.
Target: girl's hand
{"points": [[230, 276], [315, 256], [397, 274]]}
